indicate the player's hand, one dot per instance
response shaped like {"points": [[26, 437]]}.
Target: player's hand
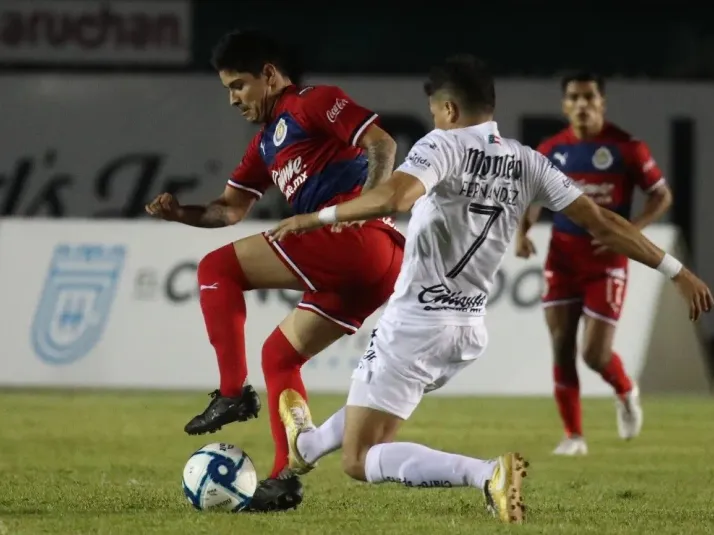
{"points": [[294, 225], [524, 246], [164, 206], [599, 247], [695, 292]]}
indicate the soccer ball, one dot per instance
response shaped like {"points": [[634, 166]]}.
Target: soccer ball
{"points": [[219, 477]]}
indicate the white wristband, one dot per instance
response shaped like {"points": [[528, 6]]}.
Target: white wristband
{"points": [[669, 266], [328, 215]]}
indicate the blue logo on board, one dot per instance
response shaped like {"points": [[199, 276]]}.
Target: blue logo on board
{"points": [[76, 300]]}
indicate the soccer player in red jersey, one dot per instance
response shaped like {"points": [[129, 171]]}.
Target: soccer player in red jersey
{"points": [[319, 148], [583, 278]]}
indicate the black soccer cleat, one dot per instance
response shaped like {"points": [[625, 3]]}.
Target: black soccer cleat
{"points": [[276, 494], [223, 410]]}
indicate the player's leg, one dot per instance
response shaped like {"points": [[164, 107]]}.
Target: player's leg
{"points": [[385, 391], [300, 336], [604, 298], [368, 454], [366, 263], [562, 305], [224, 275]]}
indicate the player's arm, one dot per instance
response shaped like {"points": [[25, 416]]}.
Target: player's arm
{"points": [[229, 209], [429, 161], [530, 218], [381, 150], [651, 180], [619, 235], [247, 184], [331, 111], [524, 246], [395, 195]]}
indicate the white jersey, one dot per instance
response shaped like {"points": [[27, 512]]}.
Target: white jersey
{"points": [[478, 186]]}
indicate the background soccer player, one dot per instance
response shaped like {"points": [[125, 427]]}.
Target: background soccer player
{"points": [[583, 277]]}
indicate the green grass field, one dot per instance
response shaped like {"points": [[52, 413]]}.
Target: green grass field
{"points": [[110, 463]]}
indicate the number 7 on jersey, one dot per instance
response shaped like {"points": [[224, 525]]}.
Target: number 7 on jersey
{"points": [[491, 213]]}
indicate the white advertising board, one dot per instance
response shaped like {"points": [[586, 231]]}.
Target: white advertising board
{"points": [[113, 304]]}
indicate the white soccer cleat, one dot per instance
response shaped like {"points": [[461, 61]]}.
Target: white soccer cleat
{"points": [[571, 446], [629, 414]]}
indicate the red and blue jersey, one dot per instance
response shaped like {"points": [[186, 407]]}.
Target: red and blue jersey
{"points": [[309, 150], [606, 168]]}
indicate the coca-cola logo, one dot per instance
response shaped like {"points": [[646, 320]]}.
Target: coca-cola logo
{"points": [[337, 107]]}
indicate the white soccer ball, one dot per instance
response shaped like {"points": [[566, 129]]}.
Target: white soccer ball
{"points": [[219, 477]]}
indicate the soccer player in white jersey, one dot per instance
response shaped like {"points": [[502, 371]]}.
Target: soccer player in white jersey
{"points": [[467, 188]]}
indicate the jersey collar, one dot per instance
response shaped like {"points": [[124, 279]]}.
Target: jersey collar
{"points": [[278, 105]]}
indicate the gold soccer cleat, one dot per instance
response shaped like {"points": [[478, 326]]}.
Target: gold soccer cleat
{"points": [[504, 490], [296, 418]]}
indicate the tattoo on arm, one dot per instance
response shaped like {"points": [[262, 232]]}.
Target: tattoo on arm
{"points": [[213, 215], [380, 157]]}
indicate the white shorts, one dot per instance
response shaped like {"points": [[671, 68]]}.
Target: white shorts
{"points": [[405, 360]]}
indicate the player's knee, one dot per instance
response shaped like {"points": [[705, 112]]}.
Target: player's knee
{"points": [[596, 356], [278, 354], [564, 348], [218, 265], [353, 464]]}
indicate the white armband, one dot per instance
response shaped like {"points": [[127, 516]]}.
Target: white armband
{"points": [[328, 215], [669, 266]]}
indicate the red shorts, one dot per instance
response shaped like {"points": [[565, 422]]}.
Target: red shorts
{"points": [[573, 274], [348, 273]]}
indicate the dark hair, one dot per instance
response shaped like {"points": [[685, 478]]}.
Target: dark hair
{"points": [[583, 76], [249, 51], [468, 79]]}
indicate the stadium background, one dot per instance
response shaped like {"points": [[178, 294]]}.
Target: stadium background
{"points": [[105, 104]]}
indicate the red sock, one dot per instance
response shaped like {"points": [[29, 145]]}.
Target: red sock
{"points": [[567, 396], [221, 286], [281, 368], [614, 374]]}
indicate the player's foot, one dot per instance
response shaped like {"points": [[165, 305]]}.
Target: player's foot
{"points": [[629, 414], [504, 490], [224, 410], [296, 418], [276, 494], [571, 446]]}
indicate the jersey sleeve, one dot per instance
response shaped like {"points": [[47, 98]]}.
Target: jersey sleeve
{"points": [[553, 189], [430, 160], [544, 149], [251, 174], [647, 173], [330, 110]]}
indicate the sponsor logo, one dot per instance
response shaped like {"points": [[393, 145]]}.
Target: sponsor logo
{"points": [[47, 31], [76, 300], [335, 110], [440, 297], [290, 177]]}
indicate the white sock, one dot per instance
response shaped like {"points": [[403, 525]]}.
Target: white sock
{"points": [[415, 465], [327, 438]]}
